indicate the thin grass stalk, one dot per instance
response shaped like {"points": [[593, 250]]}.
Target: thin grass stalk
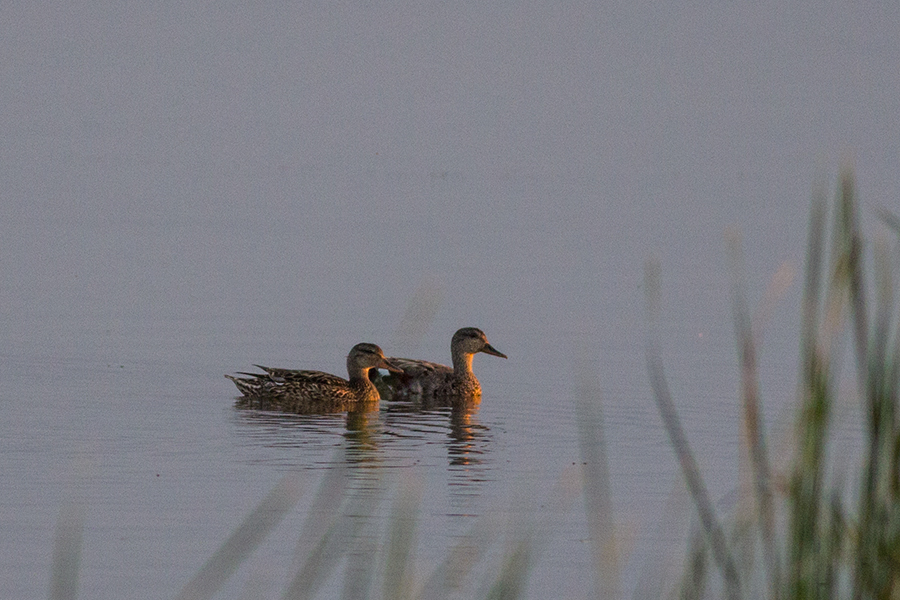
{"points": [[742, 531], [893, 378], [360, 571], [883, 307], [419, 315], [851, 239], [449, 575], [813, 282], [691, 472], [867, 351], [753, 421], [321, 516], [879, 529], [67, 541], [805, 488], [357, 535], [655, 575], [398, 576], [596, 486], [869, 363], [510, 583], [889, 389], [889, 219], [834, 534], [248, 535], [694, 578], [884, 374]]}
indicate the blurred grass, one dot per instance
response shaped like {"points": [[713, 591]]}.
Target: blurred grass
{"points": [[596, 487], [835, 543], [712, 528], [243, 541], [67, 552], [332, 536]]}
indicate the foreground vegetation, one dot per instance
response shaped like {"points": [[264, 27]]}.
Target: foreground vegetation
{"points": [[802, 533], [797, 534]]}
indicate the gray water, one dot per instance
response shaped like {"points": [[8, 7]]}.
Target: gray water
{"points": [[190, 189]]}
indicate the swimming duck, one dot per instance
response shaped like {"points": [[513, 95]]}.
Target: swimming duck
{"points": [[297, 391], [425, 378]]}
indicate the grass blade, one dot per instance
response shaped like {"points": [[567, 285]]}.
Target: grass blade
{"points": [[418, 316], [805, 489], [451, 573], [398, 574], [67, 541], [596, 486], [691, 472], [268, 513], [850, 239], [324, 508], [510, 584], [879, 521], [693, 582], [328, 532], [753, 419]]}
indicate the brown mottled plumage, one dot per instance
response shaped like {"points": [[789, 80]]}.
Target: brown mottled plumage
{"points": [[430, 379], [295, 391]]}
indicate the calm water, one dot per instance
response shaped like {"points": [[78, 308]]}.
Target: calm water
{"points": [[190, 190]]}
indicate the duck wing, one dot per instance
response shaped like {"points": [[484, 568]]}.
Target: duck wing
{"points": [[415, 369], [286, 382], [300, 377]]}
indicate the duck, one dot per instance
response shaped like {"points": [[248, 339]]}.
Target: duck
{"points": [[433, 380], [305, 392]]}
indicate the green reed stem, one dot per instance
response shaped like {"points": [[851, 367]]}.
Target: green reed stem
{"points": [[810, 560], [877, 565]]}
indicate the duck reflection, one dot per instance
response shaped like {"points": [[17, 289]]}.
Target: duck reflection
{"points": [[454, 424], [310, 438], [363, 428], [435, 435], [393, 434], [467, 439]]}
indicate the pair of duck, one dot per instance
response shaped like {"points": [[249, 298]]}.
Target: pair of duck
{"points": [[299, 391]]}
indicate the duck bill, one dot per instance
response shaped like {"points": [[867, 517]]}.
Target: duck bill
{"points": [[488, 349], [388, 365]]}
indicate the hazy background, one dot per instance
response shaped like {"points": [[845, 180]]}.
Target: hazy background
{"points": [[188, 188]]}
